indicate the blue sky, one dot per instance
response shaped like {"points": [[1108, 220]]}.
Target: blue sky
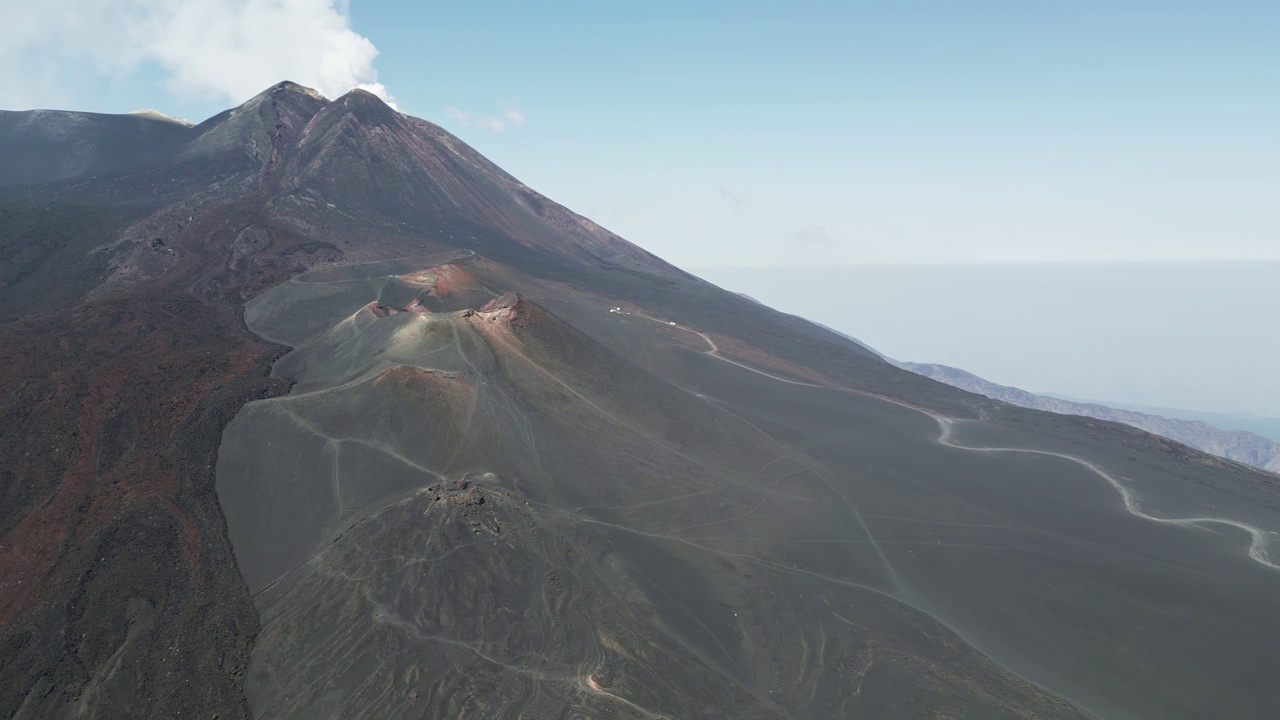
{"points": [[762, 133]]}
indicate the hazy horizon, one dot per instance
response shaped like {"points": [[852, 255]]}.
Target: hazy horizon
{"points": [[1192, 336]]}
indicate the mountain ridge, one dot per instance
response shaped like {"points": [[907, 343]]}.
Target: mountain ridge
{"points": [[1239, 445]]}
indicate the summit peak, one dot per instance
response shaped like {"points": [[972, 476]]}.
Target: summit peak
{"points": [[363, 98], [290, 86]]}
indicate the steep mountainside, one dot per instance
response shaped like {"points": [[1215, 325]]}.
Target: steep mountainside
{"points": [[1239, 445], [45, 145], [317, 412]]}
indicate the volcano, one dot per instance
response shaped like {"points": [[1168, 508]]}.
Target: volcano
{"points": [[310, 410]]}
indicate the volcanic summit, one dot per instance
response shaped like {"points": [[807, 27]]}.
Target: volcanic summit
{"points": [[313, 411]]}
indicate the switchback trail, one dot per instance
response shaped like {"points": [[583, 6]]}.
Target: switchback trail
{"points": [[1260, 540]]}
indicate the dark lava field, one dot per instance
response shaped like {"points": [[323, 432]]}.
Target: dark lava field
{"points": [[310, 411]]}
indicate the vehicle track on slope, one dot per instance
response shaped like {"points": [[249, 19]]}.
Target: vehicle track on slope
{"points": [[1261, 548], [1260, 540]]}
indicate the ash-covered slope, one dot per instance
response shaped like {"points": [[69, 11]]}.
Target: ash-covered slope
{"points": [[44, 145], [1239, 445], [480, 457], [487, 513], [407, 169]]}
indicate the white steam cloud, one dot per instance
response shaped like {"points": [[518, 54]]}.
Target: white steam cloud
{"points": [[814, 236], [507, 116], [223, 50]]}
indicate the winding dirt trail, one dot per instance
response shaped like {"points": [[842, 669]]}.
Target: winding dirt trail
{"points": [[714, 350], [1260, 540]]}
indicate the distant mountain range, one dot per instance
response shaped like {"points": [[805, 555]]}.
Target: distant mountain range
{"points": [[1239, 445], [1268, 427]]}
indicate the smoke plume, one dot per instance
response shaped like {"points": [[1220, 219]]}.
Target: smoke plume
{"points": [[204, 50]]}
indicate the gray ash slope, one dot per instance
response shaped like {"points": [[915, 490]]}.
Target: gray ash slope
{"points": [[486, 495]]}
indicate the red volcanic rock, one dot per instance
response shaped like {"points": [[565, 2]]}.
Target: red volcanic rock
{"points": [[512, 307], [445, 280], [451, 278]]}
